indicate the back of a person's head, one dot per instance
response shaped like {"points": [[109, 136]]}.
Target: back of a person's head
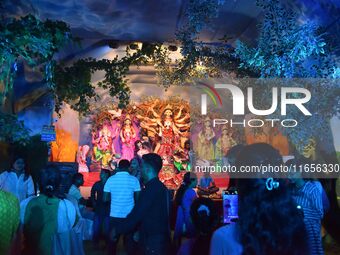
{"points": [[205, 218], [105, 172], [124, 165], [269, 220], [76, 177], [204, 215], [257, 154], [188, 178], [233, 153], [50, 179], [153, 160]]}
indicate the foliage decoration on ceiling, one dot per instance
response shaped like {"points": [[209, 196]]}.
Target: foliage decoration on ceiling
{"points": [[33, 41], [73, 83], [286, 49], [297, 52]]}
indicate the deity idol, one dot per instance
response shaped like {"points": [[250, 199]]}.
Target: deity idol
{"points": [[81, 158], [182, 158], [205, 146], [224, 143], [167, 127], [127, 137], [103, 147]]}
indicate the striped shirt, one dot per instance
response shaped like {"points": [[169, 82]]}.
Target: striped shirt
{"points": [[121, 186], [309, 197]]}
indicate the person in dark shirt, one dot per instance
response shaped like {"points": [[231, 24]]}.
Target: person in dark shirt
{"points": [[151, 212], [101, 208]]}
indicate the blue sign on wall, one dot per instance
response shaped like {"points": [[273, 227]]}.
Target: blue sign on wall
{"points": [[48, 134]]}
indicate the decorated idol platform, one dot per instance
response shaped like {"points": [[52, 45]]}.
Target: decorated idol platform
{"points": [[153, 125], [154, 121]]}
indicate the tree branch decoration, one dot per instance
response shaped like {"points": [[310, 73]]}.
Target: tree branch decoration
{"points": [[288, 49], [200, 60], [73, 83], [12, 130], [33, 41]]}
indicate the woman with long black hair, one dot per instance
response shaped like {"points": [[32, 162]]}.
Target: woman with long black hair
{"points": [[270, 222], [17, 180]]}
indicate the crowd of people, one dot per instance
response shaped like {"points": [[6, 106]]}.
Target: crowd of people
{"points": [[275, 216]]}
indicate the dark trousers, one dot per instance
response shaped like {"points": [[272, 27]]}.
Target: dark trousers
{"points": [[129, 243], [101, 227], [156, 245]]}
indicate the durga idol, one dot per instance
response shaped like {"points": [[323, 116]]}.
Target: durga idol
{"points": [[128, 138]]}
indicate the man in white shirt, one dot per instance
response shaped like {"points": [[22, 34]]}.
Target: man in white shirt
{"points": [[124, 190], [74, 191], [16, 181]]}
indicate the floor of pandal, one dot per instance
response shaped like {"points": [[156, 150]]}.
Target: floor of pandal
{"points": [[331, 248]]}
